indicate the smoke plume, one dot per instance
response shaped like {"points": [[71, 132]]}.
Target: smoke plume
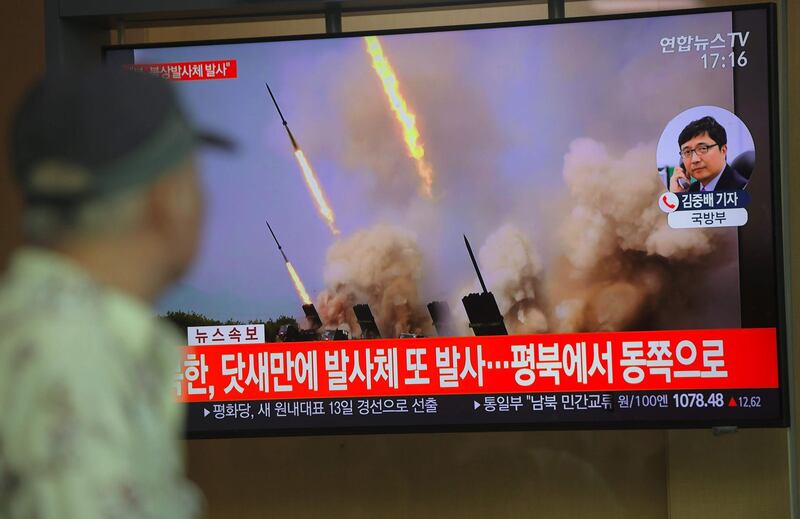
{"points": [[513, 271], [382, 267], [619, 254]]}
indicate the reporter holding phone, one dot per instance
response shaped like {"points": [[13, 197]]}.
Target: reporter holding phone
{"points": [[703, 150]]}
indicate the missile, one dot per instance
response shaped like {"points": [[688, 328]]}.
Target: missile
{"points": [[475, 264], [285, 124], [277, 243]]}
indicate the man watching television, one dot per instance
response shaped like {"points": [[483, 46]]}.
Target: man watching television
{"points": [[105, 163]]}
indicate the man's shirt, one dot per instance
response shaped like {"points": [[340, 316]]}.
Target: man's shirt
{"points": [[713, 184], [88, 422]]}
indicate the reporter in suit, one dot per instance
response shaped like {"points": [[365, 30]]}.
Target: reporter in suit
{"points": [[704, 152]]}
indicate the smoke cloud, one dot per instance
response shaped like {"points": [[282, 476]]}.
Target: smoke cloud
{"points": [[606, 265], [382, 267], [619, 253], [616, 258], [513, 269]]}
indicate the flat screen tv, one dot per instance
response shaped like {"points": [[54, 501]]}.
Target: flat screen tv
{"points": [[536, 225]]}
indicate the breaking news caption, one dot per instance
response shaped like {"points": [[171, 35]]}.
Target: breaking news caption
{"points": [[535, 380]]}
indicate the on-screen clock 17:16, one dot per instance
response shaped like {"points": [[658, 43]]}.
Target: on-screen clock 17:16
{"points": [[714, 60]]}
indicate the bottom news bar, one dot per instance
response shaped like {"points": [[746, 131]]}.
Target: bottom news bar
{"points": [[548, 410]]}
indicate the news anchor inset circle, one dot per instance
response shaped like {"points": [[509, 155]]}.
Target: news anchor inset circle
{"points": [[705, 148]]}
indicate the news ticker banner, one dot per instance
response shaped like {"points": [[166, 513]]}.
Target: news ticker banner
{"points": [[189, 70], [729, 407], [589, 363]]}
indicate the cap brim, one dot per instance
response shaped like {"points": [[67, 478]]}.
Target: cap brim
{"points": [[215, 140]]}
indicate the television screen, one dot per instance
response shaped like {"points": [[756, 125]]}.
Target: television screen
{"points": [[530, 225]]}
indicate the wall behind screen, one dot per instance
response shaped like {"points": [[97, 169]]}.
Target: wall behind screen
{"points": [[601, 474]]}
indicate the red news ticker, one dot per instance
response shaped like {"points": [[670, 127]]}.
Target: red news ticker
{"points": [[586, 362], [189, 70]]}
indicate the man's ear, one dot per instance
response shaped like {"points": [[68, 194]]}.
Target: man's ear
{"points": [[724, 150], [168, 200], [160, 205]]}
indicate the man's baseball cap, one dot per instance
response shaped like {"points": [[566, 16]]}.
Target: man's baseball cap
{"points": [[78, 135]]}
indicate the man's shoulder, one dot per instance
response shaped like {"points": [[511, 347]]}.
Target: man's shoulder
{"points": [[47, 308], [731, 180], [50, 340], [42, 295], [54, 331]]}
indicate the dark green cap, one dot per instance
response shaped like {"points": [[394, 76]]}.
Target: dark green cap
{"points": [[78, 135]]}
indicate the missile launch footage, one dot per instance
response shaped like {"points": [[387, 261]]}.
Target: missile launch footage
{"points": [[298, 284], [419, 141], [407, 120], [310, 178]]}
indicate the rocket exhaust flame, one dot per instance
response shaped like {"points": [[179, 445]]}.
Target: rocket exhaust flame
{"points": [[298, 285], [312, 182], [399, 106], [316, 191]]}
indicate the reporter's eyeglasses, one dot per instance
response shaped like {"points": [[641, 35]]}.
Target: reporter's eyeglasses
{"points": [[700, 149]]}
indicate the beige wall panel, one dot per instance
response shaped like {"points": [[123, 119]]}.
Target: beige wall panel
{"points": [[606, 474], [221, 31], [739, 475], [607, 7], [442, 17]]}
